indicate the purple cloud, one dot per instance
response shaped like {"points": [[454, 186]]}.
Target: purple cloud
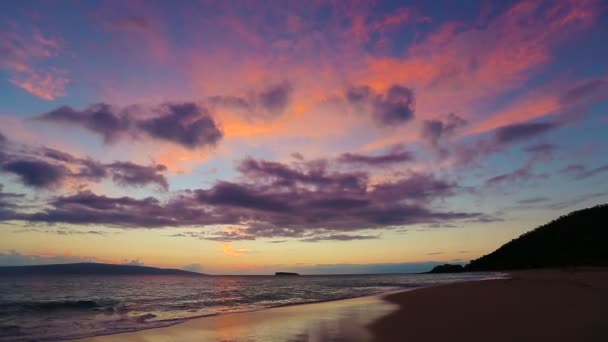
{"points": [[522, 174], [396, 106], [99, 118], [304, 200], [533, 200], [358, 94], [43, 167], [275, 98], [517, 132], [339, 237], [585, 92], [393, 107], [187, 124], [130, 174], [592, 172], [393, 156], [36, 173], [8, 203], [268, 102]]}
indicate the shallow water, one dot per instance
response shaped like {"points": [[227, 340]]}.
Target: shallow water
{"points": [[56, 308], [343, 320]]}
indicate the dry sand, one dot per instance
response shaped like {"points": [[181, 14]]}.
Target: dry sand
{"points": [[534, 306], [540, 305]]}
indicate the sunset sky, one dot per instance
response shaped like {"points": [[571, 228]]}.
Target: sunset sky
{"points": [[246, 137]]}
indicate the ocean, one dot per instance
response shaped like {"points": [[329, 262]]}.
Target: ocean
{"points": [[54, 308]]}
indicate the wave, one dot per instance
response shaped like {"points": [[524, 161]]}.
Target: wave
{"points": [[11, 307]]}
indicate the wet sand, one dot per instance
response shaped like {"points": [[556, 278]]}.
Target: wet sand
{"points": [[341, 320], [540, 305]]}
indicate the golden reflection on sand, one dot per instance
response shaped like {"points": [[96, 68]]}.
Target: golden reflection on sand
{"points": [[344, 320]]}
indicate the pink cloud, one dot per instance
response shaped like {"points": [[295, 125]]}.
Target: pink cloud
{"points": [[22, 58]]}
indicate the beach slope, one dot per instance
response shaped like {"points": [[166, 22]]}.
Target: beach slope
{"points": [[536, 305]]}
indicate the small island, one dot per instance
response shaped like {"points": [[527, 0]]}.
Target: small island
{"points": [[286, 274]]}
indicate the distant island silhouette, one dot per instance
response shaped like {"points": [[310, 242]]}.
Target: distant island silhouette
{"points": [[91, 269], [579, 238], [286, 274]]}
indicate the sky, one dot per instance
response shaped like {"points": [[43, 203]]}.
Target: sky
{"points": [[248, 137]]}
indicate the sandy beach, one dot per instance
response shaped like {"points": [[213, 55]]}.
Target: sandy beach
{"points": [[540, 305]]}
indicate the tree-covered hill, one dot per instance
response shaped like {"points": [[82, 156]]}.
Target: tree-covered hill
{"points": [[577, 239]]}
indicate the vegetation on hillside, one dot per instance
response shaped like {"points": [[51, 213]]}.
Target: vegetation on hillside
{"points": [[577, 239]]}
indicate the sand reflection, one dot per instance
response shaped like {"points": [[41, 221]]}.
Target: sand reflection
{"points": [[345, 320]]}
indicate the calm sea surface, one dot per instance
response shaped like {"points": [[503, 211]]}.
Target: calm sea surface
{"points": [[55, 308]]}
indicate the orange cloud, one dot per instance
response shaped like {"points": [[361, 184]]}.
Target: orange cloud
{"points": [[45, 85], [24, 55], [229, 250]]}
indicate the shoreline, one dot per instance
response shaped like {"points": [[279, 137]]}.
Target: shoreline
{"points": [[531, 305], [377, 299], [275, 323]]}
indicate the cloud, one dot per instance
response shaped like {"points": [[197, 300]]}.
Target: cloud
{"points": [[229, 250], [9, 202], [99, 118], [358, 94], [240, 196], [187, 124], [339, 237], [272, 200], [268, 102], [393, 156], [35, 173], [47, 85], [130, 174], [586, 92], [43, 167], [434, 132], [26, 57], [275, 98], [521, 131], [502, 137], [393, 107], [533, 200], [522, 174], [580, 172], [592, 172], [573, 168]]}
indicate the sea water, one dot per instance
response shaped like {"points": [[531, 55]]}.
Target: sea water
{"points": [[47, 308]]}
